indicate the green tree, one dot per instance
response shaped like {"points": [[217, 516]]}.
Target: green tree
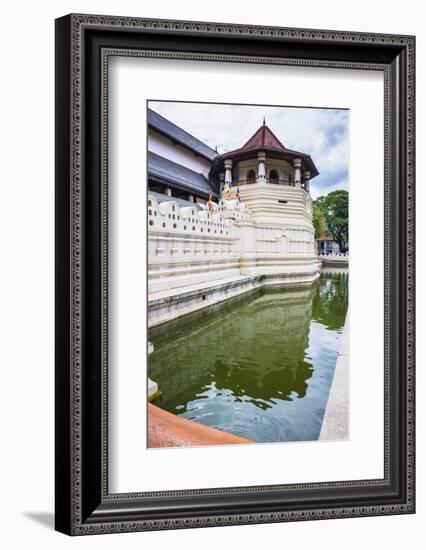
{"points": [[318, 217], [331, 213], [336, 213]]}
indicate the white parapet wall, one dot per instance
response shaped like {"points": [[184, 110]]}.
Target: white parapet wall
{"points": [[197, 258], [335, 260]]}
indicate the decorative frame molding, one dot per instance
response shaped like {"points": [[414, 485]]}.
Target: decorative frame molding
{"points": [[84, 43]]}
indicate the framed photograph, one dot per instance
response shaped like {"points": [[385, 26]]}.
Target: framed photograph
{"points": [[234, 274]]}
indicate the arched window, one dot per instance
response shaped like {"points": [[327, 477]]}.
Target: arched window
{"points": [[273, 176], [251, 176], [290, 179]]}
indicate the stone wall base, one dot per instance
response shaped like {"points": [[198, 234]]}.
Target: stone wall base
{"points": [[166, 306]]}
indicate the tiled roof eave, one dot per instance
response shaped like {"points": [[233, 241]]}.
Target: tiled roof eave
{"points": [[178, 135], [244, 154], [248, 152]]}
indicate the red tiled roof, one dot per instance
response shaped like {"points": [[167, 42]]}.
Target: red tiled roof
{"points": [[263, 138]]}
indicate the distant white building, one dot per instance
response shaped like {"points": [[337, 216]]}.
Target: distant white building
{"points": [[327, 245], [257, 229]]}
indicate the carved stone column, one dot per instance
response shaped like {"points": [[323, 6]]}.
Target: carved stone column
{"points": [[307, 180], [228, 172], [297, 163], [261, 171]]}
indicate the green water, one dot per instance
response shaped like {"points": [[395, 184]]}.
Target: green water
{"points": [[259, 366]]}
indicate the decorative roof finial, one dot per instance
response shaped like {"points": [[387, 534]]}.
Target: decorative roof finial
{"points": [[264, 121]]}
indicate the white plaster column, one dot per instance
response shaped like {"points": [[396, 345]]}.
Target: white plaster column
{"points": [[168, 191], [297, 163], [191, 198], [261, 171], [307, 180], [228, 172]]}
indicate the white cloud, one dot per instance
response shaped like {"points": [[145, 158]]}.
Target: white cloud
{"points": [[322, 191]]}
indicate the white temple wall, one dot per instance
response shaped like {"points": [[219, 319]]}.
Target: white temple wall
{"points": [[280, 205], [187, 247], [163, 146]]}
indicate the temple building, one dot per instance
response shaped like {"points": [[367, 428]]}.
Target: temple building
{"points": [[264, 159], [183, 167], [178, 163], [222, 225]]}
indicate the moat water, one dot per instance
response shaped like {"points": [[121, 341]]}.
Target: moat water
{"points": [[259, 366]]}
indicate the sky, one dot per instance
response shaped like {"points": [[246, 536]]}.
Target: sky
{"points": [[321, 133]]}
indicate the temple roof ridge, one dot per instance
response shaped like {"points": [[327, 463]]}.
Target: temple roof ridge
{"points": [[263, 138]]}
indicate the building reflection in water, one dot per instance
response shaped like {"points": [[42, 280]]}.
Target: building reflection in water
{"points": [[259, 366]]}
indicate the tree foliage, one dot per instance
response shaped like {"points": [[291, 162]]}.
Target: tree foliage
{"points": [[318, 218], [331, 213]]}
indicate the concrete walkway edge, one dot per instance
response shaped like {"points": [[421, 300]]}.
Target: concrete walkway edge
{"points": [[335, 424]]}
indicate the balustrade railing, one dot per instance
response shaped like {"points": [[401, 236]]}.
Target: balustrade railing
{"points": [[274, 181]]}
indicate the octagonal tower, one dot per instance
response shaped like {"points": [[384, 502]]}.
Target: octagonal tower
{"points": [[274, 182]]}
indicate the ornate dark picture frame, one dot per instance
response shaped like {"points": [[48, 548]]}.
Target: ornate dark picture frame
{"points": [[84, 44]]}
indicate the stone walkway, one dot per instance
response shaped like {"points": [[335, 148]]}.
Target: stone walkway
{"points": [[335, 424]]}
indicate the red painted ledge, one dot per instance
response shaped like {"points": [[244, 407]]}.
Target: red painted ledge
{"points": [[168, 430]]}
